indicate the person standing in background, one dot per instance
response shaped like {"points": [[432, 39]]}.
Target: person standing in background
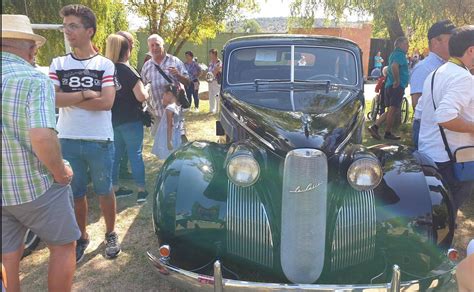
{"points": [[448, 102], [378, 61], [215, 69], [438, 41], [154, 71], [395, 84], [192, 91], [124, 173], [126, 115]]}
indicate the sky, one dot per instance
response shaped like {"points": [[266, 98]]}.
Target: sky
{"points": [[268, 8], [272, 8]]}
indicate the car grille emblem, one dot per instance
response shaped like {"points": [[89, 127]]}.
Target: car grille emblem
{"points": [[308, 188]]}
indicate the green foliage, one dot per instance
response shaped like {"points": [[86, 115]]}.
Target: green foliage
{"points": [[111, 17], [251, 26], [179, 21], [390, 17]]}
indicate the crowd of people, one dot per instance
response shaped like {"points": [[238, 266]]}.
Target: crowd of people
{"points": [[47, 164], [100, 101], [444, 106]]}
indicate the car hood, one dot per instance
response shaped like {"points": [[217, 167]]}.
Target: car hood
{"points": [[330, 123]]}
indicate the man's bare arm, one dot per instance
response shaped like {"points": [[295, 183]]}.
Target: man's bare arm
{"points": [[395, 74], [103, 102], [65, 99], [459, 125], [414, 99], [45, 145]]}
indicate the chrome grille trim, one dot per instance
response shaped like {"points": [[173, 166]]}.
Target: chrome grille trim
{"points": [[304, 215], [248, 230], [355, 231]]}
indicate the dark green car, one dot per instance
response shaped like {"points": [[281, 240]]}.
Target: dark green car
{"points": [[293, 201]]}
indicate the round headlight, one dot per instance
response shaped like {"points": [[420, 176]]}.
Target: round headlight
{"points": [[364, 174], [243, 170]]}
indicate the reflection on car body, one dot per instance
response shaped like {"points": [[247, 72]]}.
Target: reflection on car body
{"points": [[295, 196]]}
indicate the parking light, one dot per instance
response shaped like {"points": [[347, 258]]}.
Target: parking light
{"points": [[165, 251]]}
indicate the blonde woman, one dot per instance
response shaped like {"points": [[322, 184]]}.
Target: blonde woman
{"points": [[126, 116]]}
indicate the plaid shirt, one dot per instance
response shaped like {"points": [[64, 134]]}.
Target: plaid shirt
{"points": [[151, 75], [27, 102], [193, 70]]}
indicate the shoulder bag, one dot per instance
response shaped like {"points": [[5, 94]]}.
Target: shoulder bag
{"points": [[182, 98], [463, 158]]}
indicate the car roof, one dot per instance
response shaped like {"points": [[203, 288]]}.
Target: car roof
{"points": [[290, 39]]}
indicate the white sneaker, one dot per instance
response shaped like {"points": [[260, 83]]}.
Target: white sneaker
{"points": [[196, 110]]}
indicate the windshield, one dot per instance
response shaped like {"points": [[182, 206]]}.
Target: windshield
{"points": [[338, 66]]}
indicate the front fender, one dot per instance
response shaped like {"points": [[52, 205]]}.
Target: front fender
{"points": [[414, 212], [189, 195]]}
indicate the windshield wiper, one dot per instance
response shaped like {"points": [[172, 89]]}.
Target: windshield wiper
{"points": [[325, 83], [269, 81]]}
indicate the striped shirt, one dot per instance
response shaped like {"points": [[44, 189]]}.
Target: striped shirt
{"points": [[27, 103], [193, 70], [151, 75]]}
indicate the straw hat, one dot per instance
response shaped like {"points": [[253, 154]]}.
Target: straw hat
{"points": [[19, 27]]}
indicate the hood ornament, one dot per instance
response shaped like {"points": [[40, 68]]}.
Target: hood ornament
{"points": [[306, 120], [308, 188]]}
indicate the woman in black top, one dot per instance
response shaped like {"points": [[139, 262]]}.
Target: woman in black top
{"points": [[126, 116]]}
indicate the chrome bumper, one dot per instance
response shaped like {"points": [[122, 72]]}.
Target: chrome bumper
{"points": [[191, 281]]}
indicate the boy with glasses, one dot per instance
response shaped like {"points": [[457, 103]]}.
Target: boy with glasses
{"points": [[85, 92]]}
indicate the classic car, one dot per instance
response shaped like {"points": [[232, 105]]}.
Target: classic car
{"points": [[293, 201]]}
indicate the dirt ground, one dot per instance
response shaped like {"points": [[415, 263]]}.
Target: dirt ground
{"points": [[131, 270]]}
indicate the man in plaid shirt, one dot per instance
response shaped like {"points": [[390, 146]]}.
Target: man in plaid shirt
{"points": [[35, 190], [171, 66]]}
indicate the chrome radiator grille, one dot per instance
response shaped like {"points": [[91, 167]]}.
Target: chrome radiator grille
{"points": [[248, 231], [303, 215], [355, 230]]}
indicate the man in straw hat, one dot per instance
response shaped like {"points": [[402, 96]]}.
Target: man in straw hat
{"points": [[35, 180]]}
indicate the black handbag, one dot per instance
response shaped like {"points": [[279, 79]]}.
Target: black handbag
{"points": [[145, 116], [182, 98]]}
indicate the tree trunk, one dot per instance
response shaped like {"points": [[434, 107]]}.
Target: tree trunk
{"points": [[180, 46], [392, 21]]}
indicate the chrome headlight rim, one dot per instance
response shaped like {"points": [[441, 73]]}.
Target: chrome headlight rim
{"points": [[372, 161], [234, 159]]}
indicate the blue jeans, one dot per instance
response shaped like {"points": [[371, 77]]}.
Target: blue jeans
{"points": [[95, 156], [416, 132], [191, 92], [128, 138]]}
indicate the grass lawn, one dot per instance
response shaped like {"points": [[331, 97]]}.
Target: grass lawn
{"points": [[131, 271]]}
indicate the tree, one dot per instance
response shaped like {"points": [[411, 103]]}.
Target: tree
{"points": [[391, 17], [111, 17], [251, 26], [179, 21]]}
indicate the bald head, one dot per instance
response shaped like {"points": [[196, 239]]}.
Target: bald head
{"points": [[401, 43]]}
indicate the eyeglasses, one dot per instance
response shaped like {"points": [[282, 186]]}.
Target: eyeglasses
{"points": [[71, 27]]}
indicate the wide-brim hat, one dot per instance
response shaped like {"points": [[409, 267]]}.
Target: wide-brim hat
{"points": [[16, 26]]}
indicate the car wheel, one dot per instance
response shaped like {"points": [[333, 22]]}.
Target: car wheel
{"points": [[405, 111], [374, 108], [31, 242]]}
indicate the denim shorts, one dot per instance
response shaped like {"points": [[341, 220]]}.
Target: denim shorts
{"points": [[50, 216], [89, 157]]}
